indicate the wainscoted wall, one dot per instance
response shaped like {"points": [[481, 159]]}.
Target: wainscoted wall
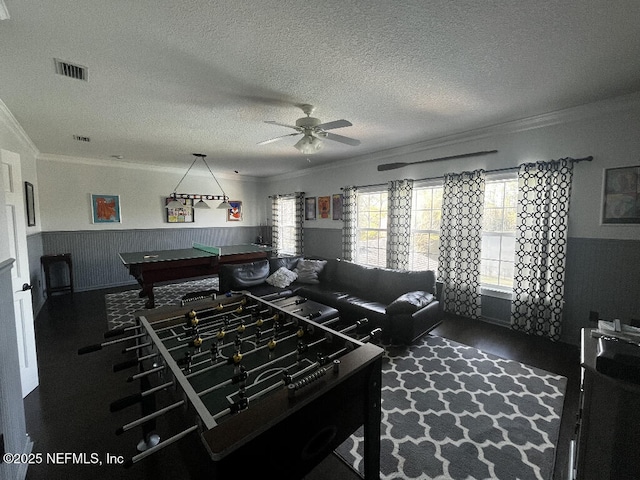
{"points": [[603, 275], [95, 252], [34, 245]]}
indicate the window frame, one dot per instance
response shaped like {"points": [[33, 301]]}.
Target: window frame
{"points": [[381, 231], [417, 188], [489, 289], [291, 224]]}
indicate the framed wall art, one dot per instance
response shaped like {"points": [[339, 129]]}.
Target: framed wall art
{"points": [[31, 204], [234, 214], [310, 208], [336, 200], [621, 197], [105, 208], [324, 207], [184, 214]]}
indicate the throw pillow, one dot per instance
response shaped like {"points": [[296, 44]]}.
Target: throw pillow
{"points": [[282, 277], [410, 302], [308, 270]]}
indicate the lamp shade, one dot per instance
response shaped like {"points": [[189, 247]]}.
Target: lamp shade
{"points": [[201, 204], [309, 144]]}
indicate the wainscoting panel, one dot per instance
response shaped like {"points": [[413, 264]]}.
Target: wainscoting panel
{"points": [[603, 275], [96, 263]]}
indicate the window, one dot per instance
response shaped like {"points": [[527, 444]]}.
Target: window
{"points": [[371, 228], [499, 233], [286, 240], [426, 215]]}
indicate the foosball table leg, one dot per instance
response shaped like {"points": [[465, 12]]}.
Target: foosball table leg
{"points": [[372, 425]]}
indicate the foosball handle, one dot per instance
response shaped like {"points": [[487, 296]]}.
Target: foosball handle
{"points": [[115, 332], [125, 402], [126, 364], [89, 349]]}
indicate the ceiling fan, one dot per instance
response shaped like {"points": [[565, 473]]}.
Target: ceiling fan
{"points": [[313, 132]]}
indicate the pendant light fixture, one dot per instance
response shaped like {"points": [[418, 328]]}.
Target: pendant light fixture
{"points": [[201, 204]]}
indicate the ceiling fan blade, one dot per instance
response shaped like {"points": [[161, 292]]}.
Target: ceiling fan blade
{"points": [[342, 139], [273, 122], [334, 124], [393, 166], [271, 140]]}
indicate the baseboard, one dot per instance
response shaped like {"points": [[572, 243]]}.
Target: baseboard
{"points": [[21, 474]]}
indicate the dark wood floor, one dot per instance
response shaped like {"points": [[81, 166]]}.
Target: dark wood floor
{"points": [[69, 411]]}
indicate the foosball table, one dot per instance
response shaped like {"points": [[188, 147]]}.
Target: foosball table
{"points": [[269, 384]]}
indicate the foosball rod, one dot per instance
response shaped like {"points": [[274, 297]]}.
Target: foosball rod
{"points": [[159, 446], [220, 307], [133, 362], [151, 416], [146, 373], [136, 397], [116, 332], [99, 346]]}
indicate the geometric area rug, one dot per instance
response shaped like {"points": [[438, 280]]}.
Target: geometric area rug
{"points": [[450, 411], [122, 305]]}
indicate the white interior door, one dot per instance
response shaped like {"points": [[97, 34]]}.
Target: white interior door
{"points": [[11, 178]]}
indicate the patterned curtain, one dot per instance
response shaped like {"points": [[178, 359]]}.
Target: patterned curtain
{"points": [[544, 191], [460, 242], [349, 222], [399, 227], [299, 235], [275, 218]]}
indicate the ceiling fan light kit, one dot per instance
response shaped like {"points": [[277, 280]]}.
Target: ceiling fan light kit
{"points": [[313, 132]]}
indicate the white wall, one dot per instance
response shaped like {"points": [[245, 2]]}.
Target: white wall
{"points": [[66, 184], [609, 131]]}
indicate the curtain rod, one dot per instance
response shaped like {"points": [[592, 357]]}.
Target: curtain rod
{"points": [[284, 195], [495, 170]]}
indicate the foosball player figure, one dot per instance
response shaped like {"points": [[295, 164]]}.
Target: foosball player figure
{"points": [[236, 358], [272, 346], [242, 327], [302, 349], [258, 334], [187, 361], [237, 342], [192, 318], [221, 333], [259, 321], [214, 352], [197, 341]]}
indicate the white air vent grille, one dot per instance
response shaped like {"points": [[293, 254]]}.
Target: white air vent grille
{"points": [[80, 138], [70, 70]]}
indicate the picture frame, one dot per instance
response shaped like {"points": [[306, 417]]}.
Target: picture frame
{"points": [[621, 196], [105, 208], [324, 207], [30, 204], [234, 214], [184, 214], [310, 208], [336, 200]]}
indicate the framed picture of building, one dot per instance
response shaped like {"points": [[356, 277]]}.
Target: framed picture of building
{"points": [[621, 197]]}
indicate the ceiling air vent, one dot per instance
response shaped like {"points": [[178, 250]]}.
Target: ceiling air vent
{"points": [[70, 70], [80, 138]]}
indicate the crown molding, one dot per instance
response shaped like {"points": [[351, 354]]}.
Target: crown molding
{"points": [[563, 116], [7, 118]]}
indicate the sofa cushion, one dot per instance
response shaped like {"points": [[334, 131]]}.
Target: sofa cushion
{"points": [[283, 277], [308, 270], [410, 302], [288, 262], [393, 283], [242, 275], [358, 280]]}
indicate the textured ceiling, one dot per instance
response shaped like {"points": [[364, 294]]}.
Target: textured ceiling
{"points": [[170, 78]]}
